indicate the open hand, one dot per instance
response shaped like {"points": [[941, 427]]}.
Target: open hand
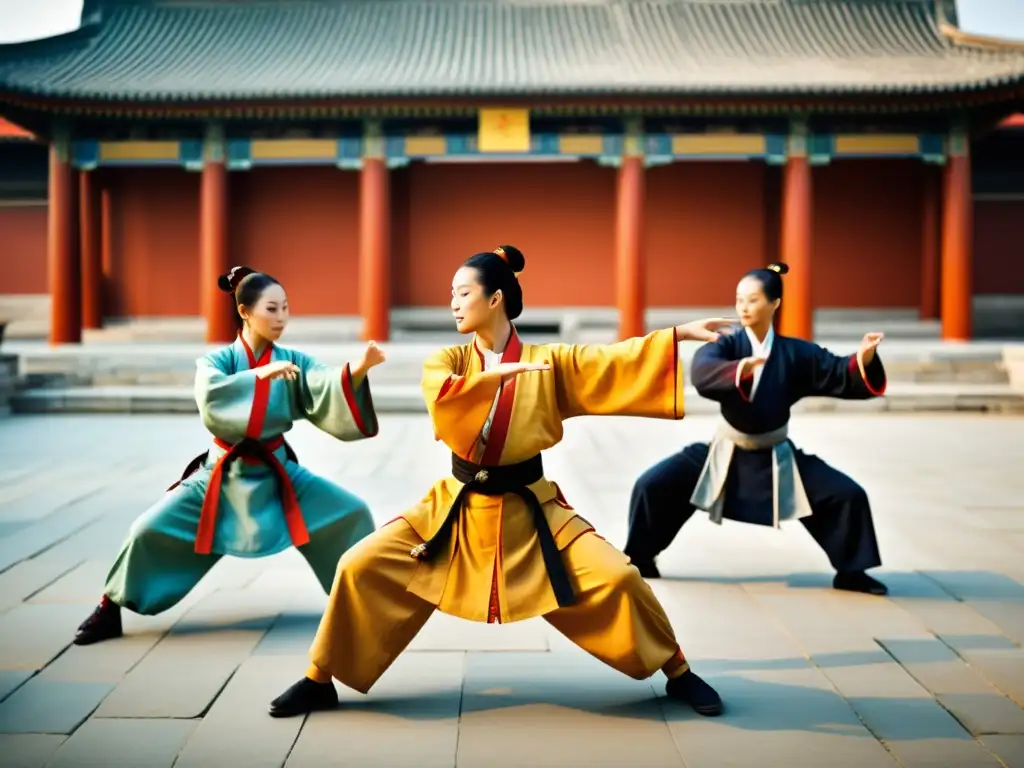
{"points": [[708, 329], [511, 370], [373, 355], [280, 369], [868, 345]]}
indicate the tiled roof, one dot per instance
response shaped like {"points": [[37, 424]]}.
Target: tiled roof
{"points": [[172, 50]]}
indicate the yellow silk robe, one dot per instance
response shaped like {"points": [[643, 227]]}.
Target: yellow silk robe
{"points": [[493, 569]]}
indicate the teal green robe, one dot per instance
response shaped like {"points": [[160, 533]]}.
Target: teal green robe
{"points": [[158, 563]]}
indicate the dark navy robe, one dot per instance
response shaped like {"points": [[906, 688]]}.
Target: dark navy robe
{"points": [[795, 369]]}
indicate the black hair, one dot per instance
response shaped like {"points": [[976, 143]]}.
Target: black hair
{"points": [[499, 270], [246, 286], [770, 278]]}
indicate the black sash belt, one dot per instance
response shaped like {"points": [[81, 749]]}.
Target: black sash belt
{"points": [[498, 481]]}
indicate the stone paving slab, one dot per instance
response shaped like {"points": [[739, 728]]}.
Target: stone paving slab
{"points": [[124, 744], [511, 700], [785, 717], [1010, 749], [28, 750], [410, 717], [931, 675], [233, 732], [11, 680], [186, 671], [42, 706]]}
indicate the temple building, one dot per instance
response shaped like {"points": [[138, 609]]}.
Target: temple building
{"points": [[642, 154]]}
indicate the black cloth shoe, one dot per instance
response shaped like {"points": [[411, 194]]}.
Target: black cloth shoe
{"points": [[304, 697], [103, 624], [690, 689], [858, 581], [647, 568]]}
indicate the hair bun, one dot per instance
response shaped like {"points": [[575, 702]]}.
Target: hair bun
{"points": [[778, 267], [229, 282], [512, 256]]}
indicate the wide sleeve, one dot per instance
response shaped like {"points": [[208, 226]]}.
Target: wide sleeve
{"points": [[823, 374], [715, 372], [637, 377], [330, 400], [223, 396], [458, 403]]}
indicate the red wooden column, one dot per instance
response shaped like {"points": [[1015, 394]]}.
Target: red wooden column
{"points": [[213, 241], [930, 256], [90, 231], [629, 238], [957, 274], [111, 305], [375, 240], [62, 249], [795, 239]]}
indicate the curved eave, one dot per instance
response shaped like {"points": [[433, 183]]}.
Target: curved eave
{"points": [[41, 115], [204, 100], [958, 36], [609, 102]]}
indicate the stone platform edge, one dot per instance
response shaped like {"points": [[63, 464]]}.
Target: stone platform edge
{"points": [[408, 399]]}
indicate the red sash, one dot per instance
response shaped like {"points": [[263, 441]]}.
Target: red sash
{"points": [[251, 452]]}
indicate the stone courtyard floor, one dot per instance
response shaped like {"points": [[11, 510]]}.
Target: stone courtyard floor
{"points": [[932, 675]]}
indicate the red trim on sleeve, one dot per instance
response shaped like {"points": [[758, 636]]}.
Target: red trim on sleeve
{"points": [[350, 401], [675, 372], [560, 499], [745, 384], [579, 536], [856, 370], [451, 386]]}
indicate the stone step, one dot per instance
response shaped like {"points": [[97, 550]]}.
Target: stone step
{"points": [[408, 399]]}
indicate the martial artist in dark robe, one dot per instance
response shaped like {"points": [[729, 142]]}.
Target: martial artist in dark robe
{"points": [[751, 472]]}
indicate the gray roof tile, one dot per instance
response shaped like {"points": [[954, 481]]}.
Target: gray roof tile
{"points": [[217, 49]]}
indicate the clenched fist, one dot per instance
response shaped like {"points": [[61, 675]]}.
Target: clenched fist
{"points": [[868, 345], [280, 369], [373, 355]]}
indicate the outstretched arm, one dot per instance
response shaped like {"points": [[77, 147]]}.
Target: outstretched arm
{"points": [[642, 376], [860, 376], [338, 400]]}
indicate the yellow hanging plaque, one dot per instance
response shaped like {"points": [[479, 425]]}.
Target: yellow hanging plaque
{"points": [[503, 129]]}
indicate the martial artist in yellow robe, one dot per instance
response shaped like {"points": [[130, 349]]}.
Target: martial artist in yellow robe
{"points": [[498, 542], [491, 565]]}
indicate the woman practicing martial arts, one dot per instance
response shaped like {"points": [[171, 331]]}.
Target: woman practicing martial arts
{"points": [[497, 541], [247, 496], [751, 472]]}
